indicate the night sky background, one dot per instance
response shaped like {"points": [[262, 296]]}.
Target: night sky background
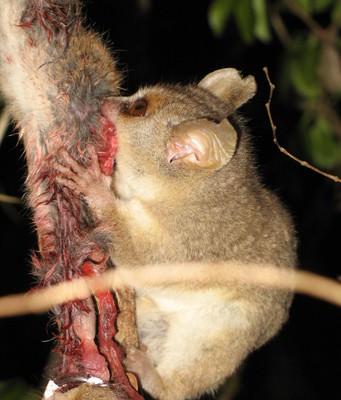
{"points": [[172, 42]]}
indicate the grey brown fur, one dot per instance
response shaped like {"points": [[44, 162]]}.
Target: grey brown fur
{"points": [[156, 211], [162, 211]]}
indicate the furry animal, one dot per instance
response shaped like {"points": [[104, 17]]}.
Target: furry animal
{"points": [[185, 189]]}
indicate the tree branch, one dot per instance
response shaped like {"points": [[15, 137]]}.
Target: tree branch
{"points": [[304, 282], [281, 148], [5, 198]]}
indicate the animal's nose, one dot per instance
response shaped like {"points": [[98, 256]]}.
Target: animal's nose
{"points": [[110, 108]]}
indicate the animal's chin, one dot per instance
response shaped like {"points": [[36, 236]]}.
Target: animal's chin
{"points": [[121, 188]]}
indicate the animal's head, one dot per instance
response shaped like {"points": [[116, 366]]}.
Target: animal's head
{"points": [[170, 131]]}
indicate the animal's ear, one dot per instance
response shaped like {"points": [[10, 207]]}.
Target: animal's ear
{"points": [[202, 144], [228, 85]]}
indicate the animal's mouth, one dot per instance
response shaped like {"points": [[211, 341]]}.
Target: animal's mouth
{"points": [[108, 146]]}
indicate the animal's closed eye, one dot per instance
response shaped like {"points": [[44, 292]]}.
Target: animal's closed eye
{"points": [[138, 108]]}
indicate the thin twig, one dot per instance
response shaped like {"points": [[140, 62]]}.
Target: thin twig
{"points": [[229, 274], [282, 149]]}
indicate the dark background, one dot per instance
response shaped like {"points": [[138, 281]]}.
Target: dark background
{"points": [[171, 42]]}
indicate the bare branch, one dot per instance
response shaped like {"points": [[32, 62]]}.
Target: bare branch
{"points": [[5, 198], [281, 148], [267, 276]]}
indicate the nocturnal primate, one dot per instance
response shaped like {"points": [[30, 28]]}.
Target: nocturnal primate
{"points": [[185, 189]]}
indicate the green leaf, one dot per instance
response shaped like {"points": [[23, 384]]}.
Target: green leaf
{"points": [[16, 390], [322, 146], [321, 5], [262, 31], [336, 13], [218, 15], [303, 62], [244, 17], [305, 4], [306, 120]]}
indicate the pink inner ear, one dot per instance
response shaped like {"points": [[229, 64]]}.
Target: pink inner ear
{"points": [[202, 144], [179, 149]]}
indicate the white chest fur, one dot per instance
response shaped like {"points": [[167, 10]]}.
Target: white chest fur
{"points": [[174, 322]]}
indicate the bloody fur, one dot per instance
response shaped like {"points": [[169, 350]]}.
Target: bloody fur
{"points": [[71, 245]]}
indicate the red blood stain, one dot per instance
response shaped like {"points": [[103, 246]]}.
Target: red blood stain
{"points": [[108, 149], [65, 248]]}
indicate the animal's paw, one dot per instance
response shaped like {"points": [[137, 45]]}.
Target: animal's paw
{"points": [[137, 361], [85, 181]]}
